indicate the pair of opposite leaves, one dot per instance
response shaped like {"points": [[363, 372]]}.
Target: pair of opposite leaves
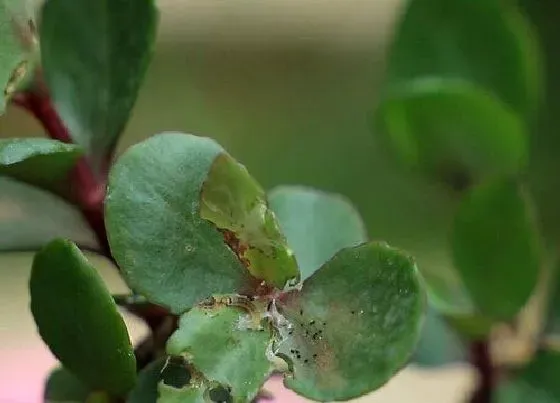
{"points": [[185, 221]]}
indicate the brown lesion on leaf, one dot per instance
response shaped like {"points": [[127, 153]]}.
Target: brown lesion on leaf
{"points": [[239, 248]]}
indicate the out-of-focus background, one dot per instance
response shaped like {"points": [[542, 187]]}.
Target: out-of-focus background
{"points": [[288, 87]]}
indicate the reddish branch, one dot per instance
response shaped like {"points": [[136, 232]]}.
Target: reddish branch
{"points": [[481, 359], [87, 190]]}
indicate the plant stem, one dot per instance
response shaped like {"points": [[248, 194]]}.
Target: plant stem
{"points": [[87, 190], [481, 359]]}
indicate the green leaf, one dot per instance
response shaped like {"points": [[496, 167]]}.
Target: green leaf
{"points": [[496, 247], [317, 224], [354, 324], [77, 318], [41, 162], [453, 130], [536, 383], [158, 191], [146, 389], [12, 60], [94, 64], [29, 218], [236, 203], [227, 346], [484, 42], [438, 344], [166, 251], [63, 386]]}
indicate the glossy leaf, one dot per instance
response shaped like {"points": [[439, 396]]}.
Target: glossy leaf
{"points": [[78, 320], [495, 247], [354, 324], [484, 42], [317, 224], [12, 59], [454, 131], [40, 162], [63, 386], [94, 65], [30, 217], [227, 345], [235, 203], [536, 383], [165, 208]]}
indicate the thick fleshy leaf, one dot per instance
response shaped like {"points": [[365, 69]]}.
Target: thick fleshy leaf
{"points": [[452, 130], [94, 65], [236, 204], [216, 338], [317, 224], [354, 324], [12, 60], [40, 162], [30, 217], [78, 320], [488, 43], [63, 386], [438, 344], [171, 216], [496, 247], [536, 383], [166, 251]]}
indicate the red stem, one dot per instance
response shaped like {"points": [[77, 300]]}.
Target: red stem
{"points": [[481, 359], [86, 189], [87, 192]]}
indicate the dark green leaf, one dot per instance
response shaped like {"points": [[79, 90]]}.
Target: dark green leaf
{"points": [[158, 192], [227, 346], [495, 247], [536, 383], [63, 386], [439, 344], [485, 42], [29, 218], [317, 224], [354, 324], [12, 60], [552, 319], [235, 203], [77, 318], [94, 64], [146, 389], [453, 130], [40, 162]]}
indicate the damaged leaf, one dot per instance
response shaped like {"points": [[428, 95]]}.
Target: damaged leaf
{"points": [[236, 204], [354, 324], [226, 342], [165, 249]]}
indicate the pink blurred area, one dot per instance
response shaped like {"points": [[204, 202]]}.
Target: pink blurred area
{"points": [[22, 380], [23, 374]]}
